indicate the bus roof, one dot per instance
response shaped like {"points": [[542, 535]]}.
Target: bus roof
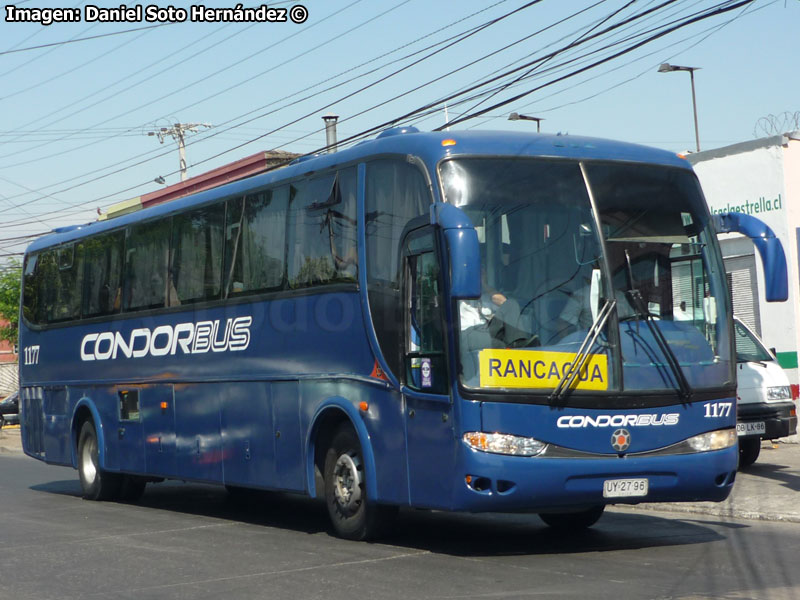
{"points": [[404, 141]]}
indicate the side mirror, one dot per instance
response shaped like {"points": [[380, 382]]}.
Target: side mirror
{"points": [[463, 250], [769, 247]]}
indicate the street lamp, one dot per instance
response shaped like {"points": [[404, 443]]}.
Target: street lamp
{"points": [[518, 117], [668, 68]]}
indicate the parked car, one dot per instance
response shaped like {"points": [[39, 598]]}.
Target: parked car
{"points": [[9, 410], [765, 407]]}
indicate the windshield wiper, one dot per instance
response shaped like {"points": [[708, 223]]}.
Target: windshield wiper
{"points": [[564, 386], [684, 389]]}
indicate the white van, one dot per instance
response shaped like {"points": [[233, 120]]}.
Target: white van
{"points": [[765, 407]]}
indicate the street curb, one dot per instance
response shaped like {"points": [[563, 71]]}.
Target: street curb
{"points": [[710, 510]]}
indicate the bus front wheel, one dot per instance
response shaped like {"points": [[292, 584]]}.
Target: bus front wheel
{"points": [[96, 483], [353, 515], [573, 521]]}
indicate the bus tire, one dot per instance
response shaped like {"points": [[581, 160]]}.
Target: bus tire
{"points": [[749, 449], [353, 516], [96, 483], [573, 521], [131, 488]]}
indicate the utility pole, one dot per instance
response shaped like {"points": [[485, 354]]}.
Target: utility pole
{"points": [[177, 133]]}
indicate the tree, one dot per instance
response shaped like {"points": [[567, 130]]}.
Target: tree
{"points": [[10, 278]]}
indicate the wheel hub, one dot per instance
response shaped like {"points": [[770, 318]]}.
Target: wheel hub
{"points": [[87, 462], [347, 483]]}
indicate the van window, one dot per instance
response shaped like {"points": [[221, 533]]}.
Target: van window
{"points": [[748, 347]]}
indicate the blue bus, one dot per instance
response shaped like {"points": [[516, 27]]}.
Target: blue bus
{"points": [[471, 321]]}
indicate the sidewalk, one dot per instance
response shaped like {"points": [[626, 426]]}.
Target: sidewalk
{"points": [[766, 491], [9, 440]]}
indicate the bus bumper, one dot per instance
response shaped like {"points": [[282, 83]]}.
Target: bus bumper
{"points": [[492, 482]]}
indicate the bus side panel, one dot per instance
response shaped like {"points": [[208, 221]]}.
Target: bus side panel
{"points": [[288, 438], [383, 422], [31, 406], [103, 399], [199, 443], [386, 426], [57, 448], [248, 437]]}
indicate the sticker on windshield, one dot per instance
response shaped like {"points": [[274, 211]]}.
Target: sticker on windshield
{"points": [[538, 369]]}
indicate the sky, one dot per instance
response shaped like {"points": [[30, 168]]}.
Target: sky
{"points": [[78, 99]]}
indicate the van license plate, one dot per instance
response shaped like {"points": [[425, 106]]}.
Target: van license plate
{"points": [[755, 428], [624, 488]]}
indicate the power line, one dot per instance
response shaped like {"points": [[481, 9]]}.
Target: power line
{"points": [[460, 37], [368, 131], [72, 70], [183, 88], [108, 86], [655, 36], [84, 39], [420, 110], [703, 35]]}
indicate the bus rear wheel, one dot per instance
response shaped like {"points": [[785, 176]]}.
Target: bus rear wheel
{"points": [[353, 515], [574, 521], [96, 483]]}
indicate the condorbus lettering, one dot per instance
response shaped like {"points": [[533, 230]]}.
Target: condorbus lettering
{"points": [[231, 335], [646, 420]]}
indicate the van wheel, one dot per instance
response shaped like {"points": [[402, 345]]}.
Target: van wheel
{"points": [[574, 521], [749, 449], [353, 515], [96, 483]]}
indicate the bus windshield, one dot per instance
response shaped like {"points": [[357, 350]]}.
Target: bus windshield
{"points": [[550, 263]]}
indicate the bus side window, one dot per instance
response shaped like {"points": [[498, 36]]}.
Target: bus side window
{"points": [[103, 279], [255, 242], [322, 230], [147, 250], [196, 255], [33, 296]]}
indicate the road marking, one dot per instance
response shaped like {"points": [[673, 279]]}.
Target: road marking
{"points": [[349, 563]]}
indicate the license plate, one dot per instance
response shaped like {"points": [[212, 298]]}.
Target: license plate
{"points": [[624, 488], [751, 428]]}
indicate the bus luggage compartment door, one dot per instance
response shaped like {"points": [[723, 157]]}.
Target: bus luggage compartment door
{"points": [[156, 406]]}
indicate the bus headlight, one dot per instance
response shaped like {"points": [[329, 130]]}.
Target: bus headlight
{"points": [[779, 392], [503, 443], [713, 440]]}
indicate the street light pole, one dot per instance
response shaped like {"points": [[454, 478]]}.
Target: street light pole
{"points": [[668, 68], [518, 117]]}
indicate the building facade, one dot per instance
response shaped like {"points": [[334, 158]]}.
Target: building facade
{"points": [[760, 178]]}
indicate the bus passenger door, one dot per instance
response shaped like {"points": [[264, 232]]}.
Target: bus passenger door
{"points": [[430, 441]]}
